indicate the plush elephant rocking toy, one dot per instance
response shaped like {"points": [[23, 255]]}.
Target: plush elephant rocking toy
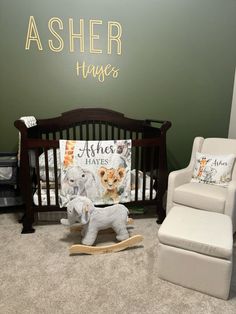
{"points": [[93, 219]]}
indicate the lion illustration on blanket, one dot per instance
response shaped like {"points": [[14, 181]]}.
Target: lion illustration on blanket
{"points": [[111, 179]]}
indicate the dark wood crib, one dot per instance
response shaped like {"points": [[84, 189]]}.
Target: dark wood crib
{"points": [[148, 155]]}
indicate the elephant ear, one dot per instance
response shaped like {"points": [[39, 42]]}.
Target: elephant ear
{"points": [[85, 215]]}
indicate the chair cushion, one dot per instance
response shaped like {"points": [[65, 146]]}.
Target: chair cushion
{"points": [[201, 196], [200, 231]]}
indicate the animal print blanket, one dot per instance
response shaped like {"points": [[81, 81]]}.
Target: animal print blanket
{"points": [[99, 170]]}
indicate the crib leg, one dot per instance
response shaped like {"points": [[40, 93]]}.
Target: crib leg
{"points": [[27, 225], [161, 214], [27, 229]]}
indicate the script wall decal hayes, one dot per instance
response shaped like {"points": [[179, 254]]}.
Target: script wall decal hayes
{"points": [[80, 33]]}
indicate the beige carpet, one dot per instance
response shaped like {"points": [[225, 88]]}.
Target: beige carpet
{"points": [[38, 276]]}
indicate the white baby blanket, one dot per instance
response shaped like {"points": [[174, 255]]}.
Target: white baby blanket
{"points": [[99, 170]]}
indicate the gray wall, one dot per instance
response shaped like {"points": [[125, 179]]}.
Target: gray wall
{"points": [[177, 63], [232, 124]]}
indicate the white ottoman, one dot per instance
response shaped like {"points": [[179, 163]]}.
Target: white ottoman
{"points": [[195, 250]]}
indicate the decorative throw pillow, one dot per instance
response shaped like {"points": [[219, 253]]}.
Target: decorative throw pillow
{"points": [[213, 169]]}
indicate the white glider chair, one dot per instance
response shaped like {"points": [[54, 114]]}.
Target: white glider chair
{"points": [[195, 248], [214, 198]]}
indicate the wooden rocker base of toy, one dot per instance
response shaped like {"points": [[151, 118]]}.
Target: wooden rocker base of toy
{"points": [[87, 249]]}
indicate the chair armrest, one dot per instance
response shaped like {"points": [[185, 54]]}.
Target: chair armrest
{"points": [[230, 205], [182, 176], [179, 177], [175, 179]]}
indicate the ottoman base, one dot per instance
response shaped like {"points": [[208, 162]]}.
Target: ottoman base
{"points": [[195, 250]]}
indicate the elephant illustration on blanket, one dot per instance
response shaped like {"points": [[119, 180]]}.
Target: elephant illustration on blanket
{"points": [[79, 181]]}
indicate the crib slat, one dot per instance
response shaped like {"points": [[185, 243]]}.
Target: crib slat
{"points": [[113, 132], [81, 131], [38, 176], [94, 130], [106, 131], [67, 134], [87, 130], [55, 175], [144, 152], [130, 135], [100, 129], [74, 132], [119, 133], [151, 171], [136, 171], [47, 176]]}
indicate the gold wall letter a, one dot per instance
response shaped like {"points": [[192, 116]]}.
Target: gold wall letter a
{"points": [[32, 35]]}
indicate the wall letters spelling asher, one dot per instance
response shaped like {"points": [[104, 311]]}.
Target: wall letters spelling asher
{"points": [[56, 43]]}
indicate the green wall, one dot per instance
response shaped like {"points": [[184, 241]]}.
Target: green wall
{"points": [[177, 63]]}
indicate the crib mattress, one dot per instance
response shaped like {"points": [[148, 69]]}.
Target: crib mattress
{"points": [[63, 200]]}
